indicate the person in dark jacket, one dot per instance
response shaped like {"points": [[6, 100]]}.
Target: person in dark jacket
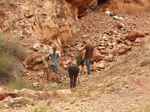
{"points": [[73, 74]]}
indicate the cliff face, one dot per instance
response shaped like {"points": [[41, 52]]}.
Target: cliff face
{"points": [[44, 20], [47, 20], [82, 5]]}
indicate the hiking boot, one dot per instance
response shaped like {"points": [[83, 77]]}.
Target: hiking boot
{"points": [[86, 75]]}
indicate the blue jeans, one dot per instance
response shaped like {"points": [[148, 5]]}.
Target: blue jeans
{"points": [[88, 63]]}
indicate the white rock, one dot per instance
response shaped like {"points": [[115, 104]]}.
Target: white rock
{"points": [[37, 46], [35, 84], [116, 17], [41, 74], [107, 12], [63, 92]]}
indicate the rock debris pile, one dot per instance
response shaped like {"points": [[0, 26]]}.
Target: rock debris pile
{"points": [[110, 40], [10, 98], [111, 37]]}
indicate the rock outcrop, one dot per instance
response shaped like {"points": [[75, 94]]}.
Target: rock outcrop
{"points": [[10, 98], [82, 5], [35, 95], [42, 20]]}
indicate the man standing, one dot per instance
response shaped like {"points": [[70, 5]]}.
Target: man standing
{"points": [[88, 55], [55, 55], [79, 57]]}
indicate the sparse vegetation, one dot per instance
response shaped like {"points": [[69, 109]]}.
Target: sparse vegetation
{"points": [[16, 49], [6, 63], [41, 109], [21, 83], [59, 87], [12, 47], [10, 52]]}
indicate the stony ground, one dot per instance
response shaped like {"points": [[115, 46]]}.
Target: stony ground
{"points": [[121, 87]]}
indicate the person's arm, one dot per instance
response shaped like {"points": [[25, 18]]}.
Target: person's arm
{"points": [[80, 49], [83, 54], [93, 52], [78, 78], [59, 60], [44, 61], [47, 56]]}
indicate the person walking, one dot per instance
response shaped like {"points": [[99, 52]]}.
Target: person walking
{"points": [[73, 74], [79, 58], [88, 55], [54, 63]]}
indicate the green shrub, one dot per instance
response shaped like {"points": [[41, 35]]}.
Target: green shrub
{"points": [[12, 47], [6, 63], [3, 45], [10, 52]]}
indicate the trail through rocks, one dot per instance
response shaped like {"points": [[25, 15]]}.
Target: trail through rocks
{"points": [[122, 85]]}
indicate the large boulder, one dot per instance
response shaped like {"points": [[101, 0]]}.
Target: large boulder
{"points": [[124, 49], [82, 5], [135, 34], [34, 62], [100, 65], [97, 57], [128, 42], [109, 58], [139, 41], [132, 35]]}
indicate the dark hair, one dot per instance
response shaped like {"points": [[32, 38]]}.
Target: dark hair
{"points": [[54, 50], [84, 42]]}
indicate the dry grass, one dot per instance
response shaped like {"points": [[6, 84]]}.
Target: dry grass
{"points": [[21, 83], [6, 64], [41, 109]]}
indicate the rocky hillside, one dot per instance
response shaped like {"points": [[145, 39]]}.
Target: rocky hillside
{"points": [[119, 31], [46, 21], [109, 24], [37, 20], [125, 83]]}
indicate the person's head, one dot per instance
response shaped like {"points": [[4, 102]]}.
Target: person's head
{"points": [[83, 43], [71, 63], [88, 41], [54, 49]]}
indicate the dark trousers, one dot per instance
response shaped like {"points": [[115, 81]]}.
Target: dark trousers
{"points": [[73, 74], [73, 79]]}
